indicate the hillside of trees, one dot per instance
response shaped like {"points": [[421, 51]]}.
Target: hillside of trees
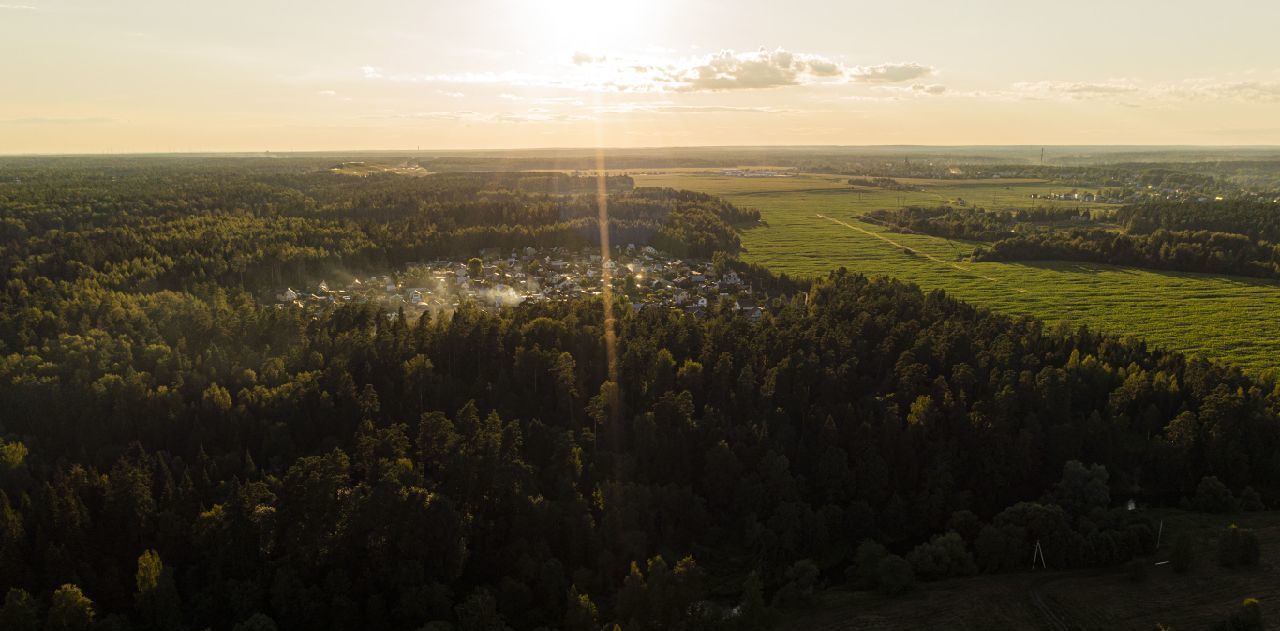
{"points": [[177, 456]]}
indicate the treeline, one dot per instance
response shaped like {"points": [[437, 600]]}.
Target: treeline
{"points": [[1230, 237], [973, 224], [1203, 252], [154, 230], [882, 182], [1256, 219]]}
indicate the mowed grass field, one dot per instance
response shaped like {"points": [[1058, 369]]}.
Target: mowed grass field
{"points": [[1079, 600], [813, 226]]}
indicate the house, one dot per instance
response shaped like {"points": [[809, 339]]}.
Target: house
{"points": [[731, 278], [288, 295]]}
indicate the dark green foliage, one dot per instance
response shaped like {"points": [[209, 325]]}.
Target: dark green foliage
{"points": [[972, 224], [1212, 496], [580, 614], [866, 564], [945, 556], [478, 469], [894, 575], [1082, 490], [69, 610], [801, 578], [20, 612], [1234, 237], [256, 622], [1250, 500], [157, 597]]}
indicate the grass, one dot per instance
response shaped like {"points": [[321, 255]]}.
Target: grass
{"points": [[1102, 599], [812, 226]]}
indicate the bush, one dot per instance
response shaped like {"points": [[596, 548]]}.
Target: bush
{"points": [[1250, 500], [1183, 553], [894, 575], [866, 564], [1212, 496], [945, 556], [798, 590]]}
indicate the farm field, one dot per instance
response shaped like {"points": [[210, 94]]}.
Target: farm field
{"points": [[812, 226], [1083, 600]]}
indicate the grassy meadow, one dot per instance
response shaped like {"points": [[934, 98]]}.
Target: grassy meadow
{"points": [[812, 226]]}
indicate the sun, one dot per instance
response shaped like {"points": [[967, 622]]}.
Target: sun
{"points": [[591, 25]]}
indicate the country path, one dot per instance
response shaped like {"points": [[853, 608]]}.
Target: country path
{"points": [[931, 257]]}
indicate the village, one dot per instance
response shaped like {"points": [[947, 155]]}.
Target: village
{"points": [[648, 278]]}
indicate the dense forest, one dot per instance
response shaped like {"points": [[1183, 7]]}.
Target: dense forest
{"points": [[153, 227], [1255, 219], [1227, 237], [175, 455]]}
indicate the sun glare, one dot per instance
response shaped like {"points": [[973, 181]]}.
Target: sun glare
{"points": [[591, 24]]}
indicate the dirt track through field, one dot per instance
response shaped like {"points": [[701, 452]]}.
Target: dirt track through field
{"points": [[915, 251]]}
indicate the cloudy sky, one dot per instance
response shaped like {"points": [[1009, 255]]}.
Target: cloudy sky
{"points": [[131, 75]]}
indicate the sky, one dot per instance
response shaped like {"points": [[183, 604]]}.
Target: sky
{"points": [[117, 76]]}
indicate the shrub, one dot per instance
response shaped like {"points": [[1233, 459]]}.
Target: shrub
{"points": [[1212, 496], [944, 556], [1250, 500], [894, 575], [866, 564], [798, 590]]}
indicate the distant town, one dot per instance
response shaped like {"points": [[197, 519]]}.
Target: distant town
{"points": [[492, 280]]}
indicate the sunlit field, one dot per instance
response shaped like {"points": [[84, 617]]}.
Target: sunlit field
{"points": [[813, 227]]}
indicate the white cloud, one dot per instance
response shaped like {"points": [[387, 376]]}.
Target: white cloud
{"points": [[890, 73], [18, 7], [1077, 90], [327, 93], [1129, 92], [722, 71], [672, 108], [581, 58], [727, 70]]}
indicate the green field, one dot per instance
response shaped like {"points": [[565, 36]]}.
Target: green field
{"points": [[1083, 599], [813, 227]]}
